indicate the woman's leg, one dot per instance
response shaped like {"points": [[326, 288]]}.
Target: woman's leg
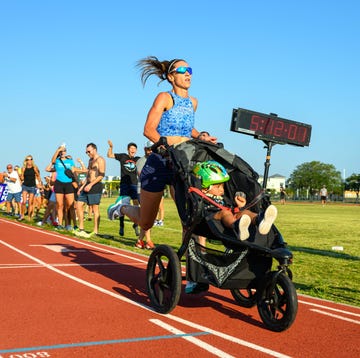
{"points": [[23, 204], [60, 207], [69, 202], [144, 215], [31, 206]]}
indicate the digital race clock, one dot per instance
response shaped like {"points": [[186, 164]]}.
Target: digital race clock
{"points": [[270, 127]]}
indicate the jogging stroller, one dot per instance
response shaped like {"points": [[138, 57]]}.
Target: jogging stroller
{"points": [[243, 267]]}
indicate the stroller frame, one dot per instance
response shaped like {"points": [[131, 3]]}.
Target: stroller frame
{"points": [[243, 267]]}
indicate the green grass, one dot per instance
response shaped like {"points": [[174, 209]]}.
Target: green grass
{"points": [[310, 230]]}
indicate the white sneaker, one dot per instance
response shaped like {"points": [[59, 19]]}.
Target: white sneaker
{"points": [[39, 223], [113, 210], [160, 223], [244, 224], [83, 234], [269, 218]]}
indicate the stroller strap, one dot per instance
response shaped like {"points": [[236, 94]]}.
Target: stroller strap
{"points": [[204, 196], [253, 202], [256, 199]]}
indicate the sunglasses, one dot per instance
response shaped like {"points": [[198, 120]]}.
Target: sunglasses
{"points": [[88, 151], [29, 158], [183, 69]]}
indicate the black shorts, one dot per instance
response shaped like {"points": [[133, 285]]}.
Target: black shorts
{"points": [[63, 188], [156, 174]]}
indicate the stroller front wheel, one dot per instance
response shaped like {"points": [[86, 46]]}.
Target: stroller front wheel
{"points": [[163, 279], [277, 303]]}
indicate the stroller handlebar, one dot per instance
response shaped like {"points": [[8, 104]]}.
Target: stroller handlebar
{"points": [[160, 146]]}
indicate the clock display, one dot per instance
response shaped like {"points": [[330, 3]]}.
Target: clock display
{"points": [[269, 127]]}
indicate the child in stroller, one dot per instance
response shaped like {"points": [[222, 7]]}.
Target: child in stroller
{"points": [[213, 176]]}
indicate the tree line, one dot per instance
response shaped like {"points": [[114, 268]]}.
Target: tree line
{"points": [[312, 176]]}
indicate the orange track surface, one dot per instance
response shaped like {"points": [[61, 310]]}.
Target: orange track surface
{"points": [[65, 297]]}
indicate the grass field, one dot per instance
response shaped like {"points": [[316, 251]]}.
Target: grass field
{"points": [[310, 229]]}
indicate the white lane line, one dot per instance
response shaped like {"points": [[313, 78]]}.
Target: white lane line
{"points": [[330, 308], [335, 316], [127, 300], [78, 241], [59, 248], [228, 337], [17, 266], [211, 349]]}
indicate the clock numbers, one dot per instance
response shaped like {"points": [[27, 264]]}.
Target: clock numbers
{"points": [[279, 129], [255, 123], [270, 127], [292, 131]]}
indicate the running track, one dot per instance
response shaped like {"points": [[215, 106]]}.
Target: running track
{"points": [[65, 297]]}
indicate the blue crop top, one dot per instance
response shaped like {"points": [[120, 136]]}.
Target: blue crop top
{"points": [[60, 170], [179, 119]]}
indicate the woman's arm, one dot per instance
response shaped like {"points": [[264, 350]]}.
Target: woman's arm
{"points": [[38, 176], [56, 154], [161, 103]]}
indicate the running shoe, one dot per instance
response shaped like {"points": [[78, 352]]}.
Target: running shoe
{"points": [[113, 211], [83, 234], [269, 218], [140, 244], [149, 246], [196, 287], [158, 223], [244, 224]]}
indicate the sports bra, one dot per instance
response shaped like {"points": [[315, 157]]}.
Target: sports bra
{"points": [[179, 119]]}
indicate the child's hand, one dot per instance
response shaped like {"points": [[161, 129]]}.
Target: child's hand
{"points": [[240, 199]]}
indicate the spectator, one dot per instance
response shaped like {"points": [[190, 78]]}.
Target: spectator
{"points": [[14, 190], [29, 173], [282, 195], [144, 233], [38, 199], [63, 187], [128, 177], [90, 192], [323, 195], [50, 211]]}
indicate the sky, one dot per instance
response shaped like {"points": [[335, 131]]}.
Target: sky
{"points": [[68, 74]]}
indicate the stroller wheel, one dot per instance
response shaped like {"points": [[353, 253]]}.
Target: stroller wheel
{"points": [[163, 279], [244, 297], [277, 304]]}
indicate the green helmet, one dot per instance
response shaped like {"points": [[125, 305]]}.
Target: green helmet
{"points": [[211, 172]]}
